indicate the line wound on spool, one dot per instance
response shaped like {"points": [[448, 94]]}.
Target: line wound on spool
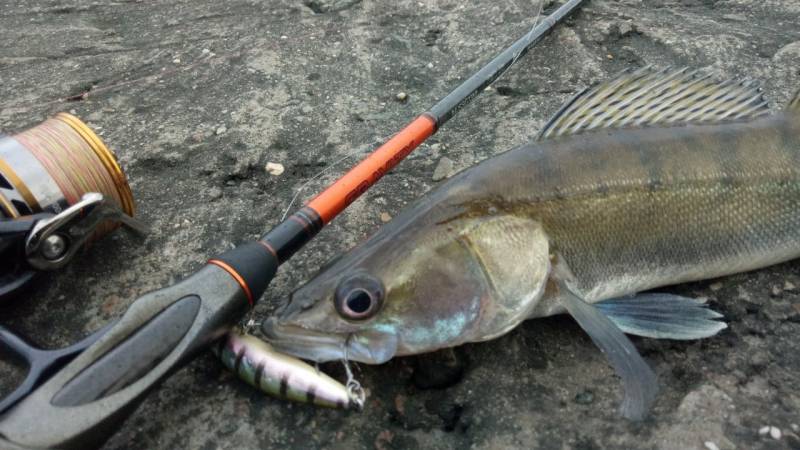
{"points": [[50, 166]]}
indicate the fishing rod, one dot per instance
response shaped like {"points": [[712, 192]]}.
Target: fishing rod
{"points": [[83, 402]]}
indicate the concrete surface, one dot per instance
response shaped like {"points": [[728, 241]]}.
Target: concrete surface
{"points": [[197, 96]]}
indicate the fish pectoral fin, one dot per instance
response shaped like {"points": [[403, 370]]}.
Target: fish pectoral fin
{"points": [[648, 97], [663, 316], [639, 382]]}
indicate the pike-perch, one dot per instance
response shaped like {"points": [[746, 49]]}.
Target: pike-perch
{"points": [[650, 179]]}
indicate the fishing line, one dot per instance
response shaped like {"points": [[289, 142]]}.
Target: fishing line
{"points": [[352, 153], [530, 32], [354, 390]]}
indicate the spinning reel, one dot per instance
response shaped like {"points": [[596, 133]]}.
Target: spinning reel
{"points": [[60, 187]]}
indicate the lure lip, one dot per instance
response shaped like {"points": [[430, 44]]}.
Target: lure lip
{"points": [[323, 347]]}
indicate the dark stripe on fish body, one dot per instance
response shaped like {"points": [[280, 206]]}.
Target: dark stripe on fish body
{"points": [[284, 386], [259, 373], [311, 395], [654, 184], [734, 161], [651, 163], [786, 134], [238, 361]]}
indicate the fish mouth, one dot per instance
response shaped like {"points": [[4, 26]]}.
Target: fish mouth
{"points": [[368, 348]]}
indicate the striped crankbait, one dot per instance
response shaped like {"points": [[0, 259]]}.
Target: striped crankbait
{"points": [[283, 376]]}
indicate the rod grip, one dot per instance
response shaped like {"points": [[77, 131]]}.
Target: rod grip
{"points": [[83, 403]]}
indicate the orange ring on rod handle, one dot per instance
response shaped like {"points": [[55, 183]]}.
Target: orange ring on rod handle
{"points": [[235, 275]]}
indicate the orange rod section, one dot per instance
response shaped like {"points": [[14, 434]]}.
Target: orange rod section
{"points": [[351, 185]]}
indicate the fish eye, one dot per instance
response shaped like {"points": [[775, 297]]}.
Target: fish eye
{"points": [[359, 297]]}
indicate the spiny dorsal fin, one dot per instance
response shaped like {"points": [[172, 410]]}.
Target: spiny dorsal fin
{"points": [[648, 97], [794, 103]]}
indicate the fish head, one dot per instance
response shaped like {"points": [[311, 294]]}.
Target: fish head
{"points": [[404, 291]]}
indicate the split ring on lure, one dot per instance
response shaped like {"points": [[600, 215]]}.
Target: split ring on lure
{"points": [[283, 376]]}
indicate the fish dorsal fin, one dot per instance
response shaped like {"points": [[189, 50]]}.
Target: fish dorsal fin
{"points": [[647, 97], [794, 103]]}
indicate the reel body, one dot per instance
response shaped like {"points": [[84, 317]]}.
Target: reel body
{"points": [[60, 187]]}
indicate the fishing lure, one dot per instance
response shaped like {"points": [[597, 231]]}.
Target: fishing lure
{"points": [[283, 376]]}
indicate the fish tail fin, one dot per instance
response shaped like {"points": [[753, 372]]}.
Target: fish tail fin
{"points": [[794, 103]]}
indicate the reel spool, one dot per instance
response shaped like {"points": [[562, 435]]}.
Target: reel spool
{"points": [[60, 187], [49, 167]]}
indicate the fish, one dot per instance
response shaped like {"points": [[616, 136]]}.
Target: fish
{"points": [[282, 376], [649, 179]]}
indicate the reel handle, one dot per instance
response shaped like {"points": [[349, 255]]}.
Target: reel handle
{"points": [[83, 403]]}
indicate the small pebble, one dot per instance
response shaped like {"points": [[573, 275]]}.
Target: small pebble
{"points": [[401, 96], [734, 17], [625, 29], [443, 169], [774, 432], [400, 403], [584, 398], [758, 359], [215, 193], [176, 60], [274, 169], [711, 446], [430, 65], [221, 130], [206, 51], [789, 286], [385, 217], [715, 286], [776, 291]]}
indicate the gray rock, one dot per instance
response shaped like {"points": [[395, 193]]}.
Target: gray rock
{"points": [[333, 59]]}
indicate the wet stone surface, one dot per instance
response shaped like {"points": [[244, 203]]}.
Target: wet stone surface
{"points": [[196, 97]]}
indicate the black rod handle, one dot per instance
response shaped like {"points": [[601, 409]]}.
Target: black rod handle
{"points": [[83, 403]]}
